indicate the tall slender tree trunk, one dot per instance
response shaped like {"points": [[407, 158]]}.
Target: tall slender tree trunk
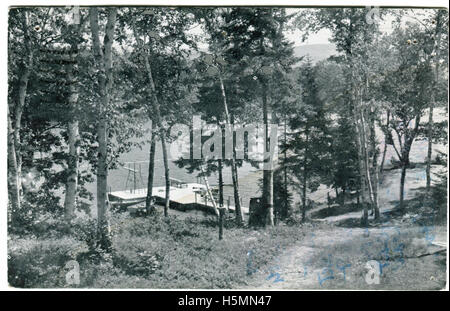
{"points": [[268, 169], [286, 204], [362, 178], [220, 168], [13, 177], [388, 115], [352, 81], [151, 171], [234, 172], [305, 180], [166, 173], [159, 121], [430, 145], [304, 193], [104, 62], [70, 199], [23, 86], [374, 175], [366, 159]]}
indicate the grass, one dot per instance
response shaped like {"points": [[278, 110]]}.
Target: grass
{"points": [[151, 252], [180, 252]]}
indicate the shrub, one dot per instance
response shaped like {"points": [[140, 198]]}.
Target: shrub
{"points": [[40, 263]]}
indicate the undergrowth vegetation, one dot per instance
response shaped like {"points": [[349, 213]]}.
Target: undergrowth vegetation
{"points": [[150, 252]]}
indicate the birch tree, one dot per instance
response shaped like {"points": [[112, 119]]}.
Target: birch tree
{"points": [[103, 62]]}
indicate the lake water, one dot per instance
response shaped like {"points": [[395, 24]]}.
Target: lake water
{"points": [[248, 176]]}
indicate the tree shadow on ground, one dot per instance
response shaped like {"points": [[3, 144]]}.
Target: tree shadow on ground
{"points": [[336, 210], [418, 210]]}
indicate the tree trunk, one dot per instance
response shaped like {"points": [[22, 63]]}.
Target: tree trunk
{"points": [[304, 198], [70, 199], [220, 183], [221, 214], [23, 84], [104, 62], [268, 169], [354, 90], [286, 205], [366, 159], [344, 196], [362, 178], [237, 197], [374, 174], [149, 207], [234, 172], [385, 147], [18, 109], [402, 187], [159, 125], [166, 173], [13, 177], [430, 146], [304, 180]]}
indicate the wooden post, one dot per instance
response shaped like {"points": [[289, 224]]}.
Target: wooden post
{"points": [[221, 213]]}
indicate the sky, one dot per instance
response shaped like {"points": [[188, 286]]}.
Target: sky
{"points": [[322, 36]]}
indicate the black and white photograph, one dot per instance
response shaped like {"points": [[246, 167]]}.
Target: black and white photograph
{"points": [[246, 147]]}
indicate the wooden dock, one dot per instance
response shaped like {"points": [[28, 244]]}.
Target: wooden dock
{"points": [[183, 197]]}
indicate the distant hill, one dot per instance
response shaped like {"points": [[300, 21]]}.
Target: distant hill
{"points": [[316, 52]]}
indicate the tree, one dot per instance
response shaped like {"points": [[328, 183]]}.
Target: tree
{"points": [[343, 173], [19, 21], [160, 35], [70, 200], [103, 62], [352, 35], [261, 57], [218, 68], [434, 55], [309, 142], [406, 90]]}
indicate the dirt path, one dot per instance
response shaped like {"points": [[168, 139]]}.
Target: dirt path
{"points": [[305, 265], [294, 266], [337, 257]]}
